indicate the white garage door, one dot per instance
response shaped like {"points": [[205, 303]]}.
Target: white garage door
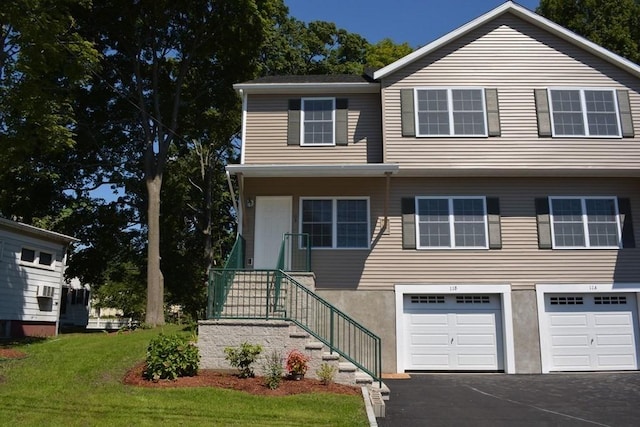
{"points": [[453, 332], [592, 332]]}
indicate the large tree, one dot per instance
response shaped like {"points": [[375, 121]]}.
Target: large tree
{"points": [[613, 24], [44, 62], [174, 62]]}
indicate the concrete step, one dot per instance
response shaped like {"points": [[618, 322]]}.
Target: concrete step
{"points": [[314, 345]]}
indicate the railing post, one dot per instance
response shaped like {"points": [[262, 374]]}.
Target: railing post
{"points": [[331, 323], [268, 296]]}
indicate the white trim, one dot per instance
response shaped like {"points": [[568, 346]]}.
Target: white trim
{"points": [[450, 111], [507, 318], [39, 232], [585, 221], [334, 221], [583, 109], [244, 125], [310, 170], [308, 88], [593, 288], [522, 13], [451, 216], [333, 122]]}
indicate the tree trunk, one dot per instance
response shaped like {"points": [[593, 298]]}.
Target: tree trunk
{"points": [[155, 285]]}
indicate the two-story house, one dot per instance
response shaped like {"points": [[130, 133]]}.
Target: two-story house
{"points": [[470, 203]]}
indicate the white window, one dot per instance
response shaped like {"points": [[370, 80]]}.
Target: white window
{"points": [[318, 121], [584, 112], [336, 222], [451, 222], [451, 112], [37, 258], [585, 222]]}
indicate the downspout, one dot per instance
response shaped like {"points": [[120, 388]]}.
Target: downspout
{"points": [[385, 225], [58, 302], [233, 199]]}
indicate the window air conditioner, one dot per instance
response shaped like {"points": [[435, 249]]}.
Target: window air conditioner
{"points": [[45, 291]]}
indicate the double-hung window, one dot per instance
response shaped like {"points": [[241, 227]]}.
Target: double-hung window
{"points": [[450, 112], [336, 222], [585, 222], [584, 112], [318, 121], [451, 222]]}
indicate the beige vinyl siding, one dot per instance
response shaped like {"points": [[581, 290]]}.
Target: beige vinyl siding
{"points": [[266, 132], [519, 262], [514, 57]]}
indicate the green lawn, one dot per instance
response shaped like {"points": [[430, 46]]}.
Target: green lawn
{"points": [[74, 380]]}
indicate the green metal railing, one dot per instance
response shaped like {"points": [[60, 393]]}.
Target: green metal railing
{"points": [[274, 294], [295, 253], [235, 261]]}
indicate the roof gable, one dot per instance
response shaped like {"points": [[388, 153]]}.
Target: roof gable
{"points": [[524, 14]]}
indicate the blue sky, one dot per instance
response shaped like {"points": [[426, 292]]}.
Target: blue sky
{"points": [[417, 22]]}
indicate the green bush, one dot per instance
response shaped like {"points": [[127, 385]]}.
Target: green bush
{"points": [[326, 373], [243, 357], [170, 357], [273, 370]]}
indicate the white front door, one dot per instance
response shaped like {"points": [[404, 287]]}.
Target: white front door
{"points": [[592, 332], [273, 219], [453, 332]]}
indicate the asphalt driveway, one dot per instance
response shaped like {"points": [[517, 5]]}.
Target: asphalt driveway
{"points": [[593, 399]]}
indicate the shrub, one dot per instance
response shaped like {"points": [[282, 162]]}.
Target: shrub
{"points": [[243, 357], [297, 362], [273, 370], [326, 373], [170, 357]]}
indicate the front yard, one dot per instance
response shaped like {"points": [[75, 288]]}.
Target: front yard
{"points": [[76, 379]]}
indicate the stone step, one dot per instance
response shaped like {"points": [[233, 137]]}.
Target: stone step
{"points": [[326, 356], [314, 345], [346, 367]]}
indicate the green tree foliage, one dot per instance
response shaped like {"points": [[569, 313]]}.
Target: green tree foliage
{"points": [[385, 52], [613, 24], [44, 62]]}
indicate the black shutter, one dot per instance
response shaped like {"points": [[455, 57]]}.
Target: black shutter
{"points": [[407, 111], [408, 223], [544, 223], [493, 218], [293, 127], [624, 210], [342, 121], [542, 112]]}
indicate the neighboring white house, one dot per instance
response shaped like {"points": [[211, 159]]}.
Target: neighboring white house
{"points": [[32, 263]]}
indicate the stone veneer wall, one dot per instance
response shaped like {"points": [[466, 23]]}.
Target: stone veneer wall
{"points": [[215, 335]]}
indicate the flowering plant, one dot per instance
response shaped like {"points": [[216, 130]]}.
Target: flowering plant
{"points": [[297, 362]]}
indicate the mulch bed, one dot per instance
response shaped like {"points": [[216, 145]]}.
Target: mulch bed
{"points": [[210, 378], [8, 353]]}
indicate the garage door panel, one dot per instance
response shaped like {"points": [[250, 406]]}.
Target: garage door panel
{"points": [[617, 360], [611, 319], [560, 341], [430, 319], [598, 333], [429, 339], [569, 320], [475, 340], [430, 361], [614, 340], [477, 361]]}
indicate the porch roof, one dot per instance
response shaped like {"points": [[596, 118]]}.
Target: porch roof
{"points": [[330, 170]]}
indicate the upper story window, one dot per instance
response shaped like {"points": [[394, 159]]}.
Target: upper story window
{"points": [[450, 112], [451, 222], [585, 222], [318, 121], [584, 112], [336, 222], [37, 258]]}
